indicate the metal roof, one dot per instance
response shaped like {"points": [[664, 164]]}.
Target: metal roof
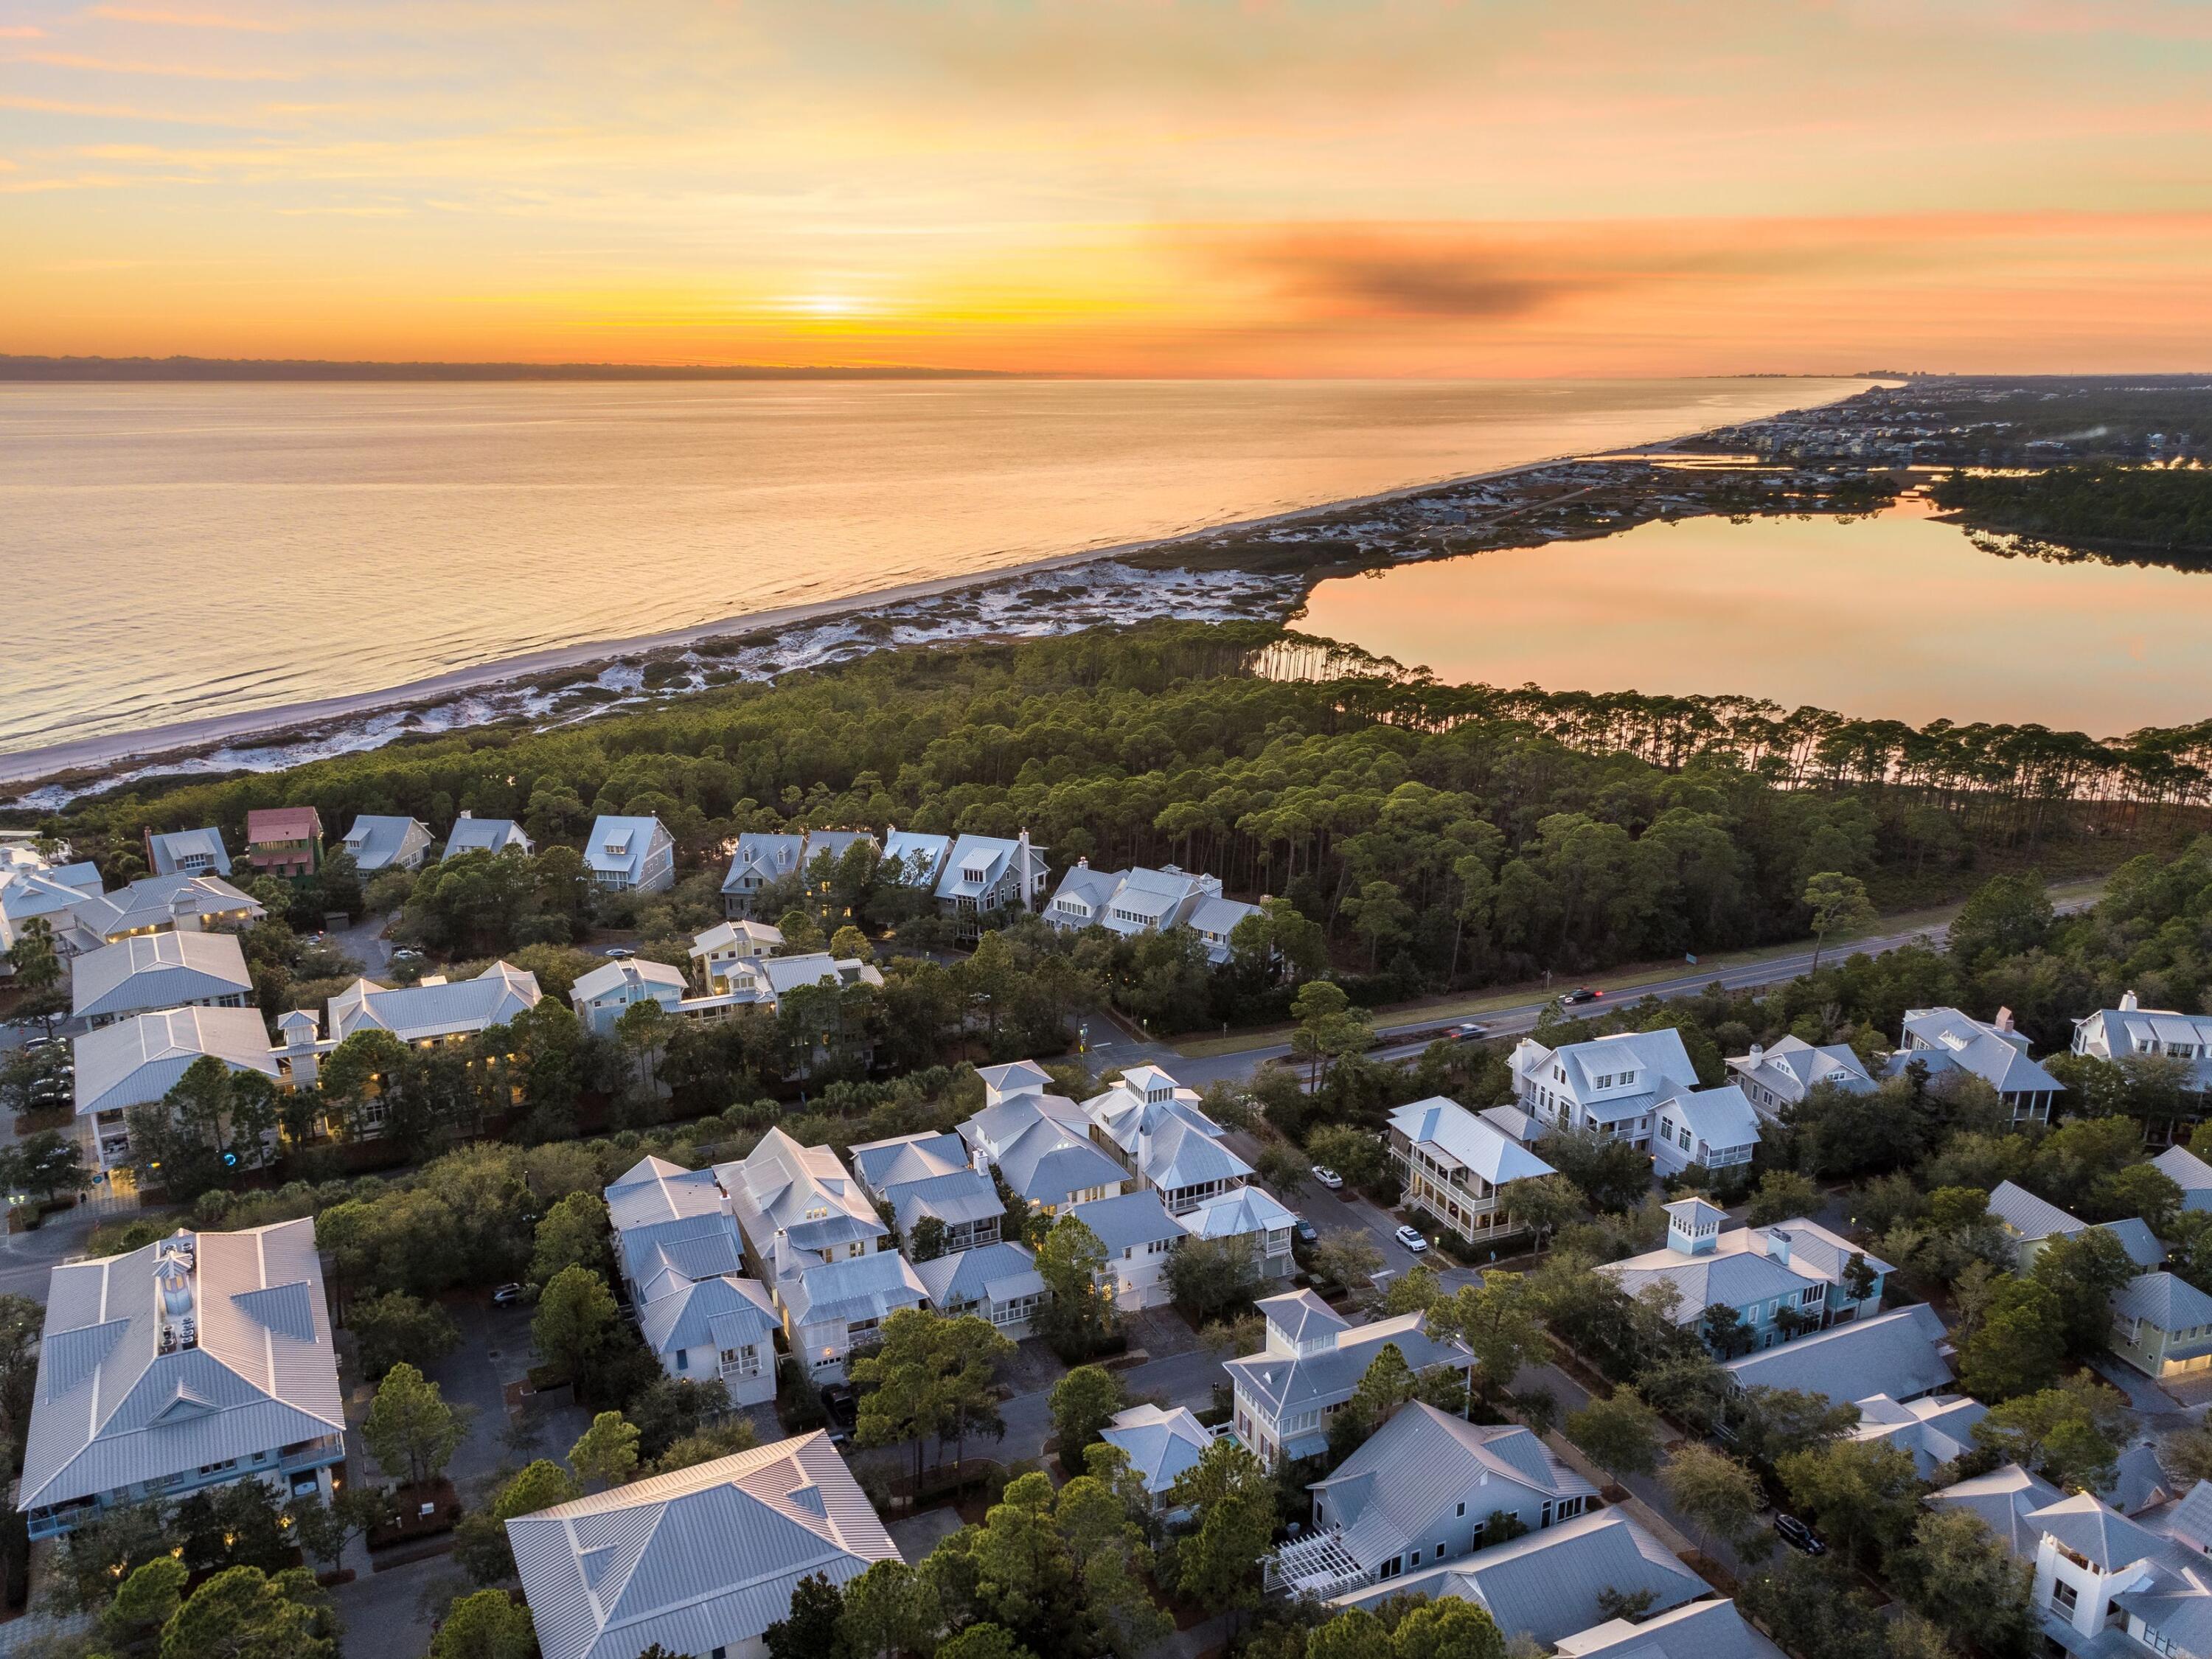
{"points": [[653, 1189], [2164, 1300], [1467, 1139], [1896, 1354], [137, 1061], [872, 1286], [453, 1008], [1236, 1213], [475, 835], [703, 1558], [1718, 1117], [639, 976], [884, 1164], [725, 1310], [2031, 1217], [1049, 1163], [1653, 1057], [156, 902], [1697, 1630], [376, 840], [173, 849], [2004, 1498], [1160, 1443], [111, 1409], [2189, 1172], [990, 1274], [1999, 1058], [783, 1188], [157, 970], [1294, 1381], [620, 846], [1127, 1220], [966, 1195]]}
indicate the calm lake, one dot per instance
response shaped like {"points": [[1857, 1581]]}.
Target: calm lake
{"points": [[172, 553], [1896, 616]]}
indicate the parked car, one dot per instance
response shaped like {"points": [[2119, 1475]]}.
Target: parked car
{"points": [[1469, 1031], [1799, 1536], [1326, 1176], [50, 1091], [619, 953], [1306, 1232], [843, 1406], [1412, 1238], [507, 1295], [1580, 994]]}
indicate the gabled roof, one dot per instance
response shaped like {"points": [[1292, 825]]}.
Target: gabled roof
{"points": [[619, 846], [965, 1195], [2192, 1519], [170, 851], [1466, 1139], [1999, 1058], [653, 1189], [2189, 1172], [1217, 918], [1792, 1066], [884, 1164], [475, 835], [2031, 1217], [801, 1191], [139, 1059], [1747, 1265], [639, 978], [1049, 1164], [1657, 1059], [991, 1275], [111, 1409], [1237, 1213], [1171, 1142], [26, 893], [762, 856], [725, 1312], [1159, 1443], [1127, 1221], [705, 1558], [444, 1008], [782, 974], [157, 970], [2161, 1300], [1017, 1078], [871, 1286], [274, 824], [377, 839], [1697, 1630], [1897, 1354], [1389, 1493], [2136, 1239], [153, 901], [2089, 1526], [977, 864], [1295, 1382], [920, 855], [1718, 1117], [1515, 1124], [2004, 1498], [731, 935]]}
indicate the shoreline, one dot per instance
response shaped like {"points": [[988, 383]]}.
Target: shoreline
{"points": [[25, 771]]}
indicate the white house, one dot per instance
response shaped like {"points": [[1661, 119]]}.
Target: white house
{"points": [[831, 1308], [471, 834], [1776, 1078], [1155, 1130], [1782, 1280], [1142, 901], [998, 1282], [137, 1061], [1944, 1039], [1253, 1220], [1215, 921], [668, 1218], [603, 996], [679, 1252], [201, 1360], [187, 852], [927, 1176], [1140, 1236], [1610, 1085], [722, 947], [2114, 1034], [1422, 1490], [984, 875], [702, 1561], [377, 842], [153, 904], [796, 1205], [1041, 1146], [31, 888], [1714, 1129], [1460, 1168], [1161, 1444], [915, 858], [1311, 1365], [631, 854], [151, 971]]}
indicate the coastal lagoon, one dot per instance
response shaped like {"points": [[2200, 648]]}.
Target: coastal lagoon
{"points": [[1897, 615], [177, 553]]}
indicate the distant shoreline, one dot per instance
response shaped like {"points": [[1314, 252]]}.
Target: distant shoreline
{"points": [[97, 371]]}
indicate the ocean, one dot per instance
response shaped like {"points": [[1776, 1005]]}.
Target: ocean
{"points": [[172, 553]]}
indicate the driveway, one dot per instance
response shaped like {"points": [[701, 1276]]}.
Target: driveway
{"points": [[365, 942]]}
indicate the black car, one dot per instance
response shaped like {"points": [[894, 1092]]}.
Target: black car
{"points": [[843, 1408], [1306, 1232], [1799, 1536], [1580, 994]]}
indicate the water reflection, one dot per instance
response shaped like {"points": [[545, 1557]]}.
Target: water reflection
{"points": [[1894, 615]]}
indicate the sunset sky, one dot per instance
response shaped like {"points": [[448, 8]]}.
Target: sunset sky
{"points": [[1414, 188]]}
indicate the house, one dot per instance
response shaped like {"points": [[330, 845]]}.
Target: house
{"points": [[1460, 1168], [471, 834], [1004, 1083], [678, 1253], [1934, 1430], [1161, 1444], [603, 996], [201, 1360], [159, 970], [1711, 1129], [1140, 1236], [759, 859], [1774, 1079], [1547, 1585], [1695, 1630], [285, 841], [1130, 902], [702, 1561], [631, 855], [668, 1218], [2004, 1498], [2031, 1223], [137, 1061], [1609, 1086], [1904, 1353], [378, 842], [1423, 1490], [986, 876], [2189, 1172], [830, 1307], [1514, 1124], [1253, 1220], [1311, 1364], [722, 947], [912, 859], [1944, 1039], [1215, 921], [2105, 1586], [435, 1010], [928, 1177], [769, 979], [1041, 1146], [1155, 1131], [31, 889], [997, 1282], [187, 852], [153, 904], [1780, 1281], [2162, 1326], [2113, 1034], [795, 1206]]}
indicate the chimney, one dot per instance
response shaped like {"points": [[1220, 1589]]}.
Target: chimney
{"points": [[2128, 1003], [1758, 1054], [2003, 1021]]}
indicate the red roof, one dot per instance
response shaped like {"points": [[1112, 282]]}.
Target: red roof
{"points": [[282, 823]]}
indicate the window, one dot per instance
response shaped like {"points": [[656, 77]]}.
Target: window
{"points": [[1546, 1519], [2062, 1594], [1461, 1511], [217, 1468], [1414, 1559], [1390, 1569]]}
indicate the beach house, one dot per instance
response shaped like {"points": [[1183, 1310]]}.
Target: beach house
{"points": [[285, 841], [1459, 1168], [377, 842], [630, 855], [1610, 1085]]}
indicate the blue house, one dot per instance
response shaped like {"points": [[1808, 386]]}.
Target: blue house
{"points": [[1783, 1281]]}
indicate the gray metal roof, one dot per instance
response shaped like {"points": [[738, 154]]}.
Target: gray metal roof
{"points": [[157, 970], [990, 1274], [2164, 1300], [2031, 1217], [170, 851], [725, 1312], [642, 977], [921, 856], [1160, 1443], [703, 1558], [1296, 1382], [2192, 1519], [475, 835], [653, 1189], [783, 1188], [2089, 1526], [111, 1409], [1999, 1058], [1894, 1353], [1718, 1117], [1236, 1213], [761, 856], [137, 1061], [156, 902], [872, 1286], [1790, 1068], [454, 1007], [620, 846], [2004, 1498], [1047, 1164], [965, 1196], [1656, 1059], [2136, 1239], [2189, 1172], [884, 1164], [1127, 1221], [1697, 1630], [376, 840], [1464, 1138]]}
